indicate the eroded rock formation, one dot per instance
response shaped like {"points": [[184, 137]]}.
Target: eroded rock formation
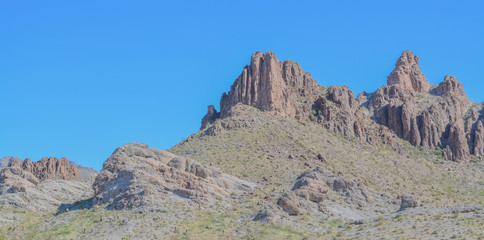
{"points": [[47, 167], [407, 74], [272, 85], [437, 117], [138, 176], [315, 186], [22, 189]]}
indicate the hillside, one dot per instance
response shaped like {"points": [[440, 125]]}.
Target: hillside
{"points": [[285, 158]]}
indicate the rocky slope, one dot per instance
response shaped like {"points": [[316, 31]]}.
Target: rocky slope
{"points": [[22, 189], [434, 117], [42, 186], [285, 158], [139, 176]]}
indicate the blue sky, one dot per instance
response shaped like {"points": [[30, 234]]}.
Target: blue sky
{"points": [[81, 78]]}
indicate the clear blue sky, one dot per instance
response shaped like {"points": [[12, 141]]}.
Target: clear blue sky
{"points": [[81, 78]]}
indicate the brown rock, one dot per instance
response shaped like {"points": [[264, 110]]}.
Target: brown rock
{"points": [[269, 85], [479, 140], [407, 74], [337, 111], [408, 107], [48, 167], [450, 86], [426, 119], [458, 143]]}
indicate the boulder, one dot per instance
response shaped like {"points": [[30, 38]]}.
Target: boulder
{"points": [[409, 201], [315, 186]]}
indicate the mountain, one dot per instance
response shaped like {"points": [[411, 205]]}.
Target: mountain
{"points": [[284, 158], [437, 117]]}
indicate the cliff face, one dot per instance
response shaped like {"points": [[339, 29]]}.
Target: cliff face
{"points": [[272, 85], [407, 74], [439, 117], [47, 167], [434, 117]]}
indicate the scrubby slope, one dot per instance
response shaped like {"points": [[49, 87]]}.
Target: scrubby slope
{"points": [[274, 150]]}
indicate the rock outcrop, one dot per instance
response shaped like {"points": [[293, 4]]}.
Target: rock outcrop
{"points": [[433, 117], [210, 117], [22, 189], [48, 167], [407, 74], [268, 84], [13, 179], [315, 186], [6, 160], [408, 201], [138, 176]]}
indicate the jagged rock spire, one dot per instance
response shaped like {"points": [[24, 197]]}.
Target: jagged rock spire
{"points": [[271, 85], [407, 74], [450, 86]]}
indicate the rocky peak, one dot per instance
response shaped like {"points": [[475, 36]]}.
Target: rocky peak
{"points": [[47, 167], [407, 74], [451, 87], [271, 85], [210, 117]]}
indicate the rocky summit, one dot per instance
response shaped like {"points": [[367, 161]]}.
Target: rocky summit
{"points": [[284, 158], [439, 117], [47, 167]]}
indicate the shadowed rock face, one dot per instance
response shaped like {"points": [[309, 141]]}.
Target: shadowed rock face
{"points": [[48, 167], [138, 176], [434, 117], [210, 117]]}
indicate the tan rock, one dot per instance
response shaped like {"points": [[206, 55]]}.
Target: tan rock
{"points": [[48, 167], [458, 143], [272, 85], [407, 74], [450, 86]]}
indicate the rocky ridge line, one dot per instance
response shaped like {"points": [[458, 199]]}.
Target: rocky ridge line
{"points": [[47, 167], [435, 117]]}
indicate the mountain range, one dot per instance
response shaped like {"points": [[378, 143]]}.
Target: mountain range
{"points": [[283, 158]]}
